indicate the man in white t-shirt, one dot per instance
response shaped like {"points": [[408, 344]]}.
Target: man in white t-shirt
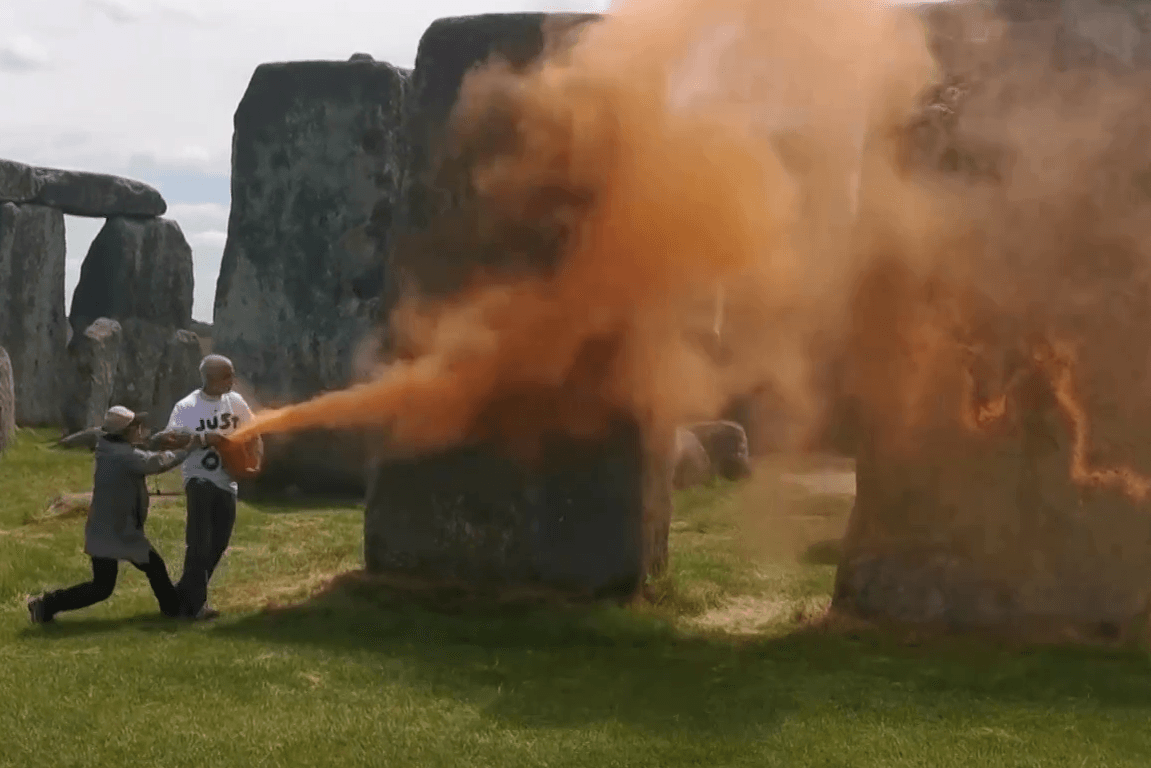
{"points": [[210, 491]]}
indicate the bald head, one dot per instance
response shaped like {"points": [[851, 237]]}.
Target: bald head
{"points": [[216, 373]]}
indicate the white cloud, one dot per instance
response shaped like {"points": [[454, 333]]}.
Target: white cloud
{"points": [[199, 217], [121, 11], [23, 54], [211, 239]]}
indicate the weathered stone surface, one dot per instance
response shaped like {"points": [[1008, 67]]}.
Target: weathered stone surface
{"points": [[79, 193], [18, 183], [726, 446], [691, 464], [158, 366], [94, 356], [32, 324], [448, 50], [7, 402], [592, 517], [583, 521], [317, 154], [140, 268]]}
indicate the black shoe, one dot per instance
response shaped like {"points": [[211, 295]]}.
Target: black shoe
{"points": [[37, 611]]}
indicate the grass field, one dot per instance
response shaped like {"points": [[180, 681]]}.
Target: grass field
{"points": [[722, 666]]}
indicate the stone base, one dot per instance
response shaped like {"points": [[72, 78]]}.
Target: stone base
{"points": [[591, 519]]}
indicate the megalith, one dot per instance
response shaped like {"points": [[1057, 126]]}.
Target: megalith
{"points": [[138, 272], [78, 193], [588, 517], [7, 402], [32, 324], [94, 356], [317, 166]]}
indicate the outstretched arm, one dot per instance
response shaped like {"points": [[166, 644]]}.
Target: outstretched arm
{"points": [[155, 462]]}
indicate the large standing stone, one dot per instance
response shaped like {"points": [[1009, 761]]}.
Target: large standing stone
{"points": [[7, 402], [448, 50], [317, 162], [139, 268], [591, 517], [32, 324], [95, 356]]}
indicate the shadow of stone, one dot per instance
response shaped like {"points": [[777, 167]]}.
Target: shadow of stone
{"points": [[556, 663], [826, 552]]}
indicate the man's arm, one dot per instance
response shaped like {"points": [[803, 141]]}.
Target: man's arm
{"points": [[175, 434], [155, 462]]}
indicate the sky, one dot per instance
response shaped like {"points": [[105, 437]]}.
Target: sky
{"points": [[147, 89]]}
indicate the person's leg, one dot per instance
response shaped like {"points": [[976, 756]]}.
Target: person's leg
{"points": [[193, 584], [97, 590], [223, 523], [162, 588]]}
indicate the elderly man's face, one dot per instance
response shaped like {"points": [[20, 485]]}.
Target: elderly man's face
{"points": [[219, 381]]}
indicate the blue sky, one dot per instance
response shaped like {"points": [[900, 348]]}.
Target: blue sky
{"points": [[147, 89]]}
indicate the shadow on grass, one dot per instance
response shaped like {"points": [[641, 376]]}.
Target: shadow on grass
{"points": [[561, 665]]}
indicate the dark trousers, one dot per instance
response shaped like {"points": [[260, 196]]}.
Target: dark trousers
{"points": [[211, 517], [104, 572]]}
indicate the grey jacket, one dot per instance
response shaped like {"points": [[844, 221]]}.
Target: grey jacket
{"points": [[119, 508]]}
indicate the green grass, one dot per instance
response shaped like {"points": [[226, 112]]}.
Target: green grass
{"points": [[720, 668]]}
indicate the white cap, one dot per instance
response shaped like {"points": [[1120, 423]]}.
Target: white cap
{"points": [[118, 418]]}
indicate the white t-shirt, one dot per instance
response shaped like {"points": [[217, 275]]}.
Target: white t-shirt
{"points": [[199, 413]]}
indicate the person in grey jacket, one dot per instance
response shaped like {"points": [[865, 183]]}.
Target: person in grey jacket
{"points": [[115, 528]]}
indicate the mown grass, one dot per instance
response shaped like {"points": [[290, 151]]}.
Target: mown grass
{"points": [[721, 668]]}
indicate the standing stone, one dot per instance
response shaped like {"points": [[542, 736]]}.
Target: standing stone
{"points": [[94, 356], [317, 166], [448, 50], [32, 324], [7, 402], [591, 517], [158, 366], [139, 273], [139, 268], [726, 445]]}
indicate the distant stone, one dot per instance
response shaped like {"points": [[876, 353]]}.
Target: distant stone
{"points": [[691, 465], [317, 156], [94, 356], [158, 366], [32, 324], [139, 268], [726, 446], [362, 57], [18, 183], [79, 193], [7, 402]]}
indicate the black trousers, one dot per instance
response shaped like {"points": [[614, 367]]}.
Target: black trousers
{"points": [[211, 518], [100, 588]]}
